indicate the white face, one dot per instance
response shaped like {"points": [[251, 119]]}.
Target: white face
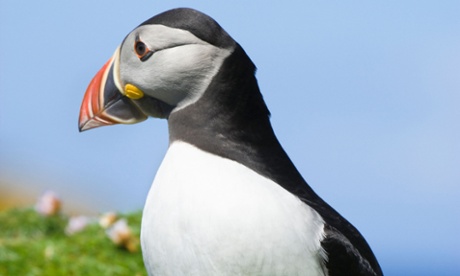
{"points": [[180, 68]]}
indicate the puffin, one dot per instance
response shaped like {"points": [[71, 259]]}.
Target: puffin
{"points": [[226, 199]]}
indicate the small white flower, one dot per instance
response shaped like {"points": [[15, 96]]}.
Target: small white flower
{"points": [[119, 233], [48, 204], [107, 219], [76, 224]]}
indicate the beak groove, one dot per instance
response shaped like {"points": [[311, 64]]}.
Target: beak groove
{"points": [[91, 114]]}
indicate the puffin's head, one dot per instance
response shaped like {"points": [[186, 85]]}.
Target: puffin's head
{"points": [[163, 65]]}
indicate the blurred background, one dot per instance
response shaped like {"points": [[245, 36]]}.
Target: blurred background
{"points": [[364, 95]]}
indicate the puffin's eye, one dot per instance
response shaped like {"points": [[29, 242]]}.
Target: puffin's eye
{"points": [[140, 48], [142, 51]]}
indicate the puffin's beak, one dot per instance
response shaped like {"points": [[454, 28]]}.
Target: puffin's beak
{"points": [[104, 104]]}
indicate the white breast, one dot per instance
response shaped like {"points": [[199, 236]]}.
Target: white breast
{"points": [[207, 215]]}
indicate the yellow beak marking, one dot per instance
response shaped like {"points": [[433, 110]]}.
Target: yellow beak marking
{"points": [[132, 92]]}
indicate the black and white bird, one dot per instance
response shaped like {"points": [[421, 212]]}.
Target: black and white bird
{"points": [[226, 200]]}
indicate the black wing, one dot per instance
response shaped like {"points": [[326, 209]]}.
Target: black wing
{"points": [[343, 257]]}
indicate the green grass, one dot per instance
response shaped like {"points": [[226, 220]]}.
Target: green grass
{"points": [[31, 244]]}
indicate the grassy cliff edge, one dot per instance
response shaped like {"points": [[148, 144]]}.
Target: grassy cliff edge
{"points": [[33, 244]]}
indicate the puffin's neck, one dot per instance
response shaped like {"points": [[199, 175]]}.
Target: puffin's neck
{"points": [[231, 120]]}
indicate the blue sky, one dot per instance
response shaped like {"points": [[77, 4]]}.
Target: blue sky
{"points": [[364, 96]]}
